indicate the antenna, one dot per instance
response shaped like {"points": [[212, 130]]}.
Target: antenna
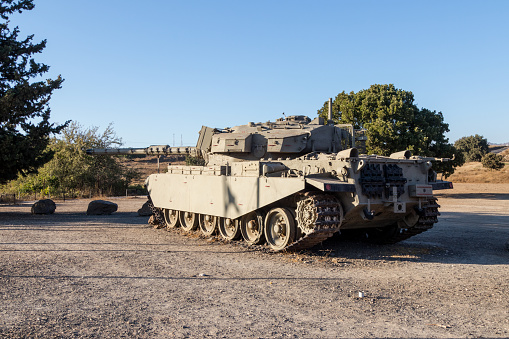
{"points": [[181, 144], [173, 139]]}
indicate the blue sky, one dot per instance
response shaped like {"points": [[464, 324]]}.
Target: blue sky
{"points": [[159, 70]]}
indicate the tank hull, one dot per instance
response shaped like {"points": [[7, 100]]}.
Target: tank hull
{"points": [[361, 192]]}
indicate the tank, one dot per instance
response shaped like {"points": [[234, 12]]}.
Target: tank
{"points": [[292, 183]]}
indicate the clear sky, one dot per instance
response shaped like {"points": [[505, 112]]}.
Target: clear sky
{"points": [[161, 69]]}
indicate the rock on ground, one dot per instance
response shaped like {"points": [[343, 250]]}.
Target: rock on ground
{"points": [[101, 207], [45, 206]]}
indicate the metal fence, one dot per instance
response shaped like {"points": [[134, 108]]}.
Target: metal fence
{"points": [[134, 192]]}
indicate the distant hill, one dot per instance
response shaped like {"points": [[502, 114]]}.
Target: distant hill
{"points": [[499, 149]]}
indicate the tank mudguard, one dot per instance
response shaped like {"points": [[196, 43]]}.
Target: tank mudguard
{"points": [[331, 185], [223, 196]]}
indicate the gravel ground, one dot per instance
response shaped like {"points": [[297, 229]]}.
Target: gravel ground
{"points": [[73, 275]]}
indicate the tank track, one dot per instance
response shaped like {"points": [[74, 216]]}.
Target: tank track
{"points": [[428, 217], [156, 212], [328, 220]]}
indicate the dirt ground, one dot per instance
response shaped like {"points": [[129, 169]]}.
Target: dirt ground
{"points": [[73, 275]]}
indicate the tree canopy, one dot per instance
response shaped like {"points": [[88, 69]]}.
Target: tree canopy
{"points": [[473, 147], [24, 110], [73, 172], [394, 123]]}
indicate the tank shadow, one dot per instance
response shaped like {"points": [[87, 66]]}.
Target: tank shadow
{"points": [[458, 238]]}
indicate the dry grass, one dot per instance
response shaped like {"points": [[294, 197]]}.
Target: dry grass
{"points": [[473, 172]]}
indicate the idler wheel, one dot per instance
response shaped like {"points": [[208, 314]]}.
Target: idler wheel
{"points": [[279, 228], [251, 227], [172, 218], [189, 221], [229, 228], [208, 224]]}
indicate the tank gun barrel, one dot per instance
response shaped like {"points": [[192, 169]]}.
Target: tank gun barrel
{"points": [[151, 150]]}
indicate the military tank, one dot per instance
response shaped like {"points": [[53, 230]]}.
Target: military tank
{"points": [[292, 183]]}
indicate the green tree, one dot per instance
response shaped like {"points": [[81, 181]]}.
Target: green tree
{"points": [[77, 171], [493, 161], [24, 111], [394, 123], [73, 172], [473, 147]]}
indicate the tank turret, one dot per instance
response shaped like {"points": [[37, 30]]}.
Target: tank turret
{"points": [[286, 138]]}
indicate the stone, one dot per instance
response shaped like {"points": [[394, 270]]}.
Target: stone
{"points": [[45, 206], [145, 210], [101, 207]]}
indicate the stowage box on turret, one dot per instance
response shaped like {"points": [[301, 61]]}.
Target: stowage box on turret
{"points": [[293, 183]]}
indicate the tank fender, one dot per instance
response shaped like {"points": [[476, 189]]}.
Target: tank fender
{"points": [[219, 195], [330, 185]]}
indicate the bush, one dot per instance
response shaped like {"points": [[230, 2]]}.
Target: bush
{"points": [[74, 173], [194, 161], [474, 147], [493, 161]]}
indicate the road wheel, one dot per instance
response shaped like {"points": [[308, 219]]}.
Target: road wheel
{"points": [[229, 228], [189, 221], [208, 224], [172, 218], [279, 228], [251, 227]]}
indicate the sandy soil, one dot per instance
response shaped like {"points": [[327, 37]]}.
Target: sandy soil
{"points": [[73, 275]]}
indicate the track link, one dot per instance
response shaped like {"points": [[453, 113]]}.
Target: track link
{"points": [[156, 212], [328, 216]]}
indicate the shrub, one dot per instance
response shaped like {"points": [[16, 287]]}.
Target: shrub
{"points": [[474, 147], [492, 161]]}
